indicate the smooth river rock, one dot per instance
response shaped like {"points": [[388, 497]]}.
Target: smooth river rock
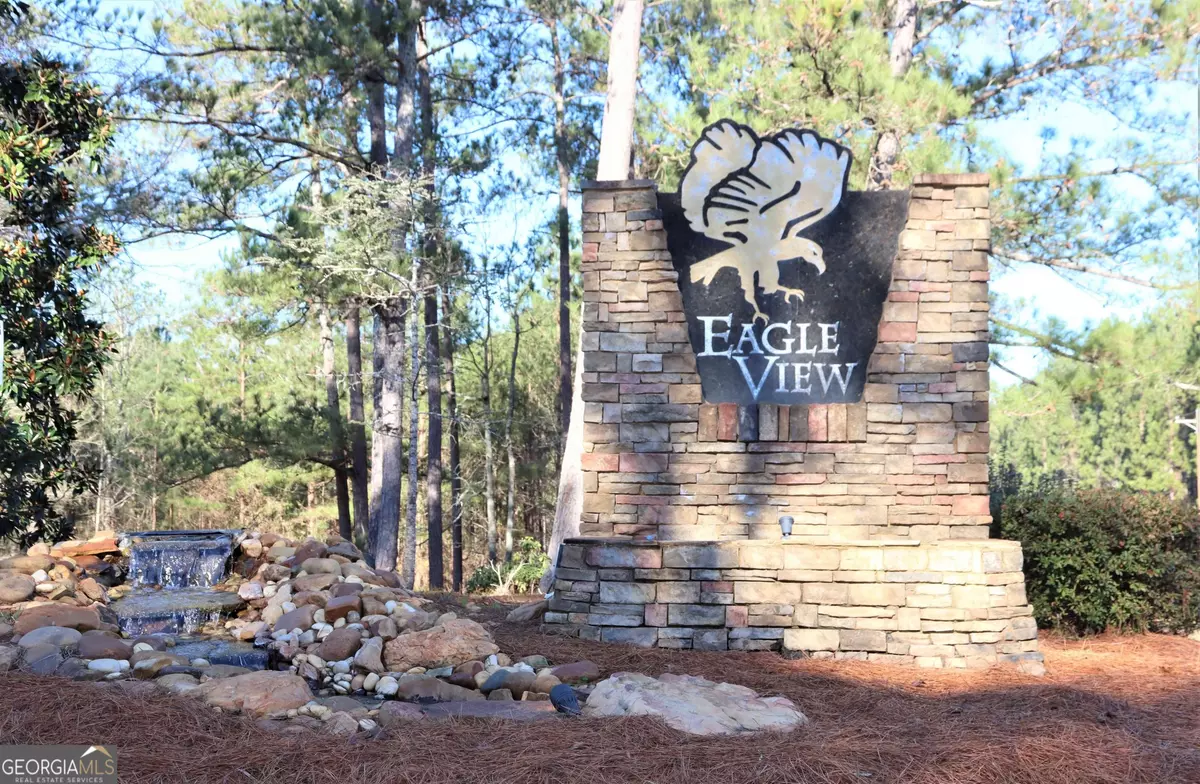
{"points": [[450, 644], [692, 704], [256, 693]]}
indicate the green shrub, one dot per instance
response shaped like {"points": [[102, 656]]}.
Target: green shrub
{"points": [[1097, 560], [528, 565]]}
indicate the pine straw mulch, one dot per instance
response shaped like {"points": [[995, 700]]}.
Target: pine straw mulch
{"points": [[1112, 709]]}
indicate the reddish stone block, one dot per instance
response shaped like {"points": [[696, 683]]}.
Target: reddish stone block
{"points": [[818, 423], [727, 419], [736, 616], [897, 332], [708, 423], [595, 461], [971, 505], [656, 615]]}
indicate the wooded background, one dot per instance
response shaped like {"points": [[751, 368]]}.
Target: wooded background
{"points": [[388, 348]]}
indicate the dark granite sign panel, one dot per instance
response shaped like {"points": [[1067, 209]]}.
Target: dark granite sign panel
{"points": [[783, 272]]}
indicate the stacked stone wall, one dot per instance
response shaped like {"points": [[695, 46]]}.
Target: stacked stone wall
{"points": [[909, 460], [937, 604]]}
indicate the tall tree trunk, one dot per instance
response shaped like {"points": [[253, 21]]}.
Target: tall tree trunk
{"points": [[489, 459], [564, 236], [456, 538], [385, 519], [387, 446], [358, 440], [408, 566], [510, 517], [882, 167], [433, 450], [379, 429], [333, 416], [616, 146], [624, 50], [375, 84]]}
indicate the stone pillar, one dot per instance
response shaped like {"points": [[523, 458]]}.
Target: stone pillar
{"points": [[641, 391]]}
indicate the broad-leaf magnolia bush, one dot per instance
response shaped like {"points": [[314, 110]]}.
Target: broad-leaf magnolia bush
{"points": [[1099, 560], [53, 350]]}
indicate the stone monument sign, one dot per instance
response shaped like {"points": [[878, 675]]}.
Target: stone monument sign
{"points": [[765, 344]]}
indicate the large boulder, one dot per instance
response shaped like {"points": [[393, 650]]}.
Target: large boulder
{"points": [[300, 618], [273, 573], [345, 549], [577, 672], [340, 644], [342, 606], [101, 645], [320, 566], [370, 656], [57, 614], [42, 659], [313, 582], [423, 688], [27, 564], [309, 549], [692, 704], [256, 693], [527, 612], [16, 588], [361, 572], [58, 636], [96, 547], [450, 644]]}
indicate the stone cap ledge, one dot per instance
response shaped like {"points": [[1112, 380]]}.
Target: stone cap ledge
{"points": [[810, 541], [966, 178], [616, 185]]}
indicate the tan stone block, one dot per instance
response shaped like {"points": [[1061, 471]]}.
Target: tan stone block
{"points": [[862, 640], [836, 422], [766, 593], [826, 593], [811, 639], [862, 558], [761, 558], [916, 239], [970, 197], [905, 559], [597, 201], [970, 596], [810, 557], [879, 594], [968, 472]]}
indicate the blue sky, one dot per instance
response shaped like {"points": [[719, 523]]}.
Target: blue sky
{"points": [[174, 265]]}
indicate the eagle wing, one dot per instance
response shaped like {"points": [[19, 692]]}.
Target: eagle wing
{"points": [[723, 150], [804, 177]]}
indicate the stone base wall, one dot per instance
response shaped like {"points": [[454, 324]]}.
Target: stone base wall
{"points": [[935, 604]]}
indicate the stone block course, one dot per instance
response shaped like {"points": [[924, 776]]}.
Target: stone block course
{"points": [[933, 603]]}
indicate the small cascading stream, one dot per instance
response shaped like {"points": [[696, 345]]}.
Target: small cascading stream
{"points": [[180, 563], [173, 578]]}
